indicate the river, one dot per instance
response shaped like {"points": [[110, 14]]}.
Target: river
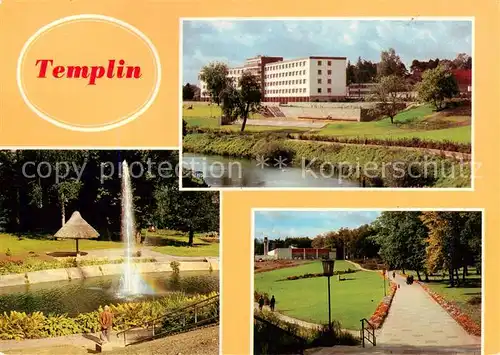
{"points": [[219, 171]]}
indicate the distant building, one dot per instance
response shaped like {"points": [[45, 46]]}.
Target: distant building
{"points": [[464, 80], [294, 80], [301, 253], [361, 90]]}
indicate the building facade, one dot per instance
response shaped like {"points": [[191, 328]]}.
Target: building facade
{"points": [[301, 253], [296, 80]]}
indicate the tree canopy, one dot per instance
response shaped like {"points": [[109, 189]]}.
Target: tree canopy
{"points": [[436, 86], [46, 186]]}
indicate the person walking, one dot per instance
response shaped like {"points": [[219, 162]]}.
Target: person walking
{"points": [[394, 275], [272, 303], [261, 303], [106, 321]]}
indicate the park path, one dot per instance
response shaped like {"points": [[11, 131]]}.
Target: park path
{"points": [[416, 319], [146, 252], [84, 341]]}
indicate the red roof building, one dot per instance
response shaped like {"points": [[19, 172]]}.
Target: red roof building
{"points": [[464, 79]]}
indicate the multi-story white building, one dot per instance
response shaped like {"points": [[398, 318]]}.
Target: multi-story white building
{"points": [[295, 80]]}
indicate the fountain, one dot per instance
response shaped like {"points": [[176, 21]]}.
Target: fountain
{"points": [[131, 283]]}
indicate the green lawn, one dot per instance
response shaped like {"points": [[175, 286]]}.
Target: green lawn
{"points": [[419, 122], [207, 122], [212, 111], [459, 295], [306, 299], [172, 243], [175, 243], [21, 247], [407, 124]]}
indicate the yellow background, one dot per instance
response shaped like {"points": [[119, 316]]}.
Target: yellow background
{"points": [[159, 126]]}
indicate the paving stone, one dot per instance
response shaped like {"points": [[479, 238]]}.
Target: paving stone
{"points": [[413, 309]]}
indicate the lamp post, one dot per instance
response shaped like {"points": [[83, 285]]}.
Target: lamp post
{"points": [[328, 265]]}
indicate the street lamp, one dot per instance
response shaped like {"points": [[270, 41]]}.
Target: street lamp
{"points": [[328, 265]]}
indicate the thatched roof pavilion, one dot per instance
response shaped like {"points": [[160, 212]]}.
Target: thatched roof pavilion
{"points": [[76, 228]]}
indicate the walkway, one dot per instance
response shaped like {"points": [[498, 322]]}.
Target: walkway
{"points": [[146, 252], [416, 319], [287, 123]]}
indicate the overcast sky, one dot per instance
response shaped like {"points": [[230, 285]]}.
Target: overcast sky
{"points": [[234, 41], [276, 224]]}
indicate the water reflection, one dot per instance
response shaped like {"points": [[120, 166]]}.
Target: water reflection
{"points": [[79, 296], [218, 171]]}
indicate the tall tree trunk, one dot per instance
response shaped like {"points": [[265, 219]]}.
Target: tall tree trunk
{"points": [[426, 276], [452, 277], [458, 277], [18, 214], [392, 119], [403, 270], [63, 214], [245, 116], [191, 237], [418, 275], [464, 273]]}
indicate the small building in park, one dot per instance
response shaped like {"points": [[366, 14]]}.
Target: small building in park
{"points": [[302, 253], [76, 228]]}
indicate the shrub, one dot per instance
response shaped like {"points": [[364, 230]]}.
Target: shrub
{"points": [[474, 300], [19, 325]]}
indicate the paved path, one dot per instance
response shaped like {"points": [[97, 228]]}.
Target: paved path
{"points": [[146, 252], [416, 319], [85, 341], [287, 122]]}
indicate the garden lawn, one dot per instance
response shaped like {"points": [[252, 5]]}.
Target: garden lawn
{"points": [[40, 245], [206, 111], [175, 243], [407, 124], [205, 122], [353, 299]]}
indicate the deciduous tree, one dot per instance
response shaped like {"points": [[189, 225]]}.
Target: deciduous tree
{"points": [[386, 95], [436, 86]]}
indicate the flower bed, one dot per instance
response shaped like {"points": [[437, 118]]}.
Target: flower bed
{"points": [[463, 319], [377, 319], [307, 276]]}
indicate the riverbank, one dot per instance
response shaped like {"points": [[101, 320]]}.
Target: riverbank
{"points": [[68, 274], [376, 166]]}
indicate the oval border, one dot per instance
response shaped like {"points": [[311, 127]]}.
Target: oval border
{"points": [[104, 127]]}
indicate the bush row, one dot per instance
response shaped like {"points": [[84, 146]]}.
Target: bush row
{"points": [[377, 319], [448, 146], [307, 276], [17, 266], [275, 338], [20, 325]]}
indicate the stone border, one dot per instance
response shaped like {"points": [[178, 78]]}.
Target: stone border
{"points": [[460, 317], [378, 318], [101, 270]]}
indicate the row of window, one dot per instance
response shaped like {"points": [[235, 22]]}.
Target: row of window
{"points": [[294, 82], [293, 91], [293, 65], [288, 73], [293, 73], [286, 82], [286, 91]]}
